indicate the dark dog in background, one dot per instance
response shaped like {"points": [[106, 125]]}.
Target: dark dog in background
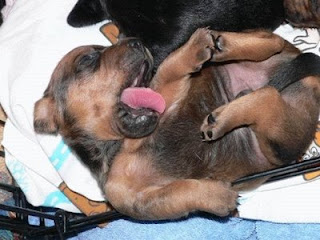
{"points": [[165, 25], [2, 4], [152, 163]]}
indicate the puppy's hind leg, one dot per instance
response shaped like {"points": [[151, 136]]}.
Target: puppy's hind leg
{"points": [[135, 189], [251, 45], [266, 113], [172, 79], [187, 59], [283, 114]]}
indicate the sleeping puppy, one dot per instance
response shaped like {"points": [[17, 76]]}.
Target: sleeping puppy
{"points": [[165, 25], [140, 136]]}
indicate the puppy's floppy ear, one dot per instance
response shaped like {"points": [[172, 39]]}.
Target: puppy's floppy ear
{"points": [[45, 116]]}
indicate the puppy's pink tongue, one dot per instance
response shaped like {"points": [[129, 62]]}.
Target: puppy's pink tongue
{"points": [[136, 97]]}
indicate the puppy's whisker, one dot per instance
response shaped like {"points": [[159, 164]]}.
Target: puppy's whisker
{"points": [[198, 157]]}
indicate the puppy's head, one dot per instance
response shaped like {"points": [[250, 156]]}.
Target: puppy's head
{"points": [[102, 91]]}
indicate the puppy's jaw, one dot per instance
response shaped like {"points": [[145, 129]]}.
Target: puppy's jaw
{"points": [[136, 123]]}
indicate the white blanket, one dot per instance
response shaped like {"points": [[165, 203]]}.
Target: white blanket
{"points": [[33, 38]]}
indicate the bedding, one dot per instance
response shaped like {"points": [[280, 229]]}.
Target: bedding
{"points": [[44, 171], [5, 196], [7, 8], [33, 38]]}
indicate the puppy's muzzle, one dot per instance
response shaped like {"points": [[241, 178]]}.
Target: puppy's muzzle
{"points": [[139, 107]]}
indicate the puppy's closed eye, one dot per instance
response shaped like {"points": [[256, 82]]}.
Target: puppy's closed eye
{"points": [[88, 62]]}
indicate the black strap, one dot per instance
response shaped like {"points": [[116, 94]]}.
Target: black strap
{"points": [[284, 172]]}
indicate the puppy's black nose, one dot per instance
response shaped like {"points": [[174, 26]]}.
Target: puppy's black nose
{"points": [[135, 43]]}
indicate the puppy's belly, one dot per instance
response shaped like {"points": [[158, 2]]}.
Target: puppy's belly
{"points": [[245, 157], [245, 76], [235, 155]]}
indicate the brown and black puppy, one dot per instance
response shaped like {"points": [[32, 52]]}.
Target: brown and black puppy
{"points": [[141, 137]]}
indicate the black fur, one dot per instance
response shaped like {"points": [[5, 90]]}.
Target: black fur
{"points": [[306, 64], [88, 12], [2, 4], [164, 25]]}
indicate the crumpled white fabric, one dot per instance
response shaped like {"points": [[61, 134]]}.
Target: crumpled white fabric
{"points": [[34, 37]]}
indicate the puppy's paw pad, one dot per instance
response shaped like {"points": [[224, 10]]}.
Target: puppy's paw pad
{"points": [[220, 46], [208, 131], [211, 119]]}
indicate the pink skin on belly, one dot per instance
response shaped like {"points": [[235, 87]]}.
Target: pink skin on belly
{"points": [[246, 76]]}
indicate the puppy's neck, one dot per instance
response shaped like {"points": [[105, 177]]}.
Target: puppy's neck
{"points": [[130, 145]]}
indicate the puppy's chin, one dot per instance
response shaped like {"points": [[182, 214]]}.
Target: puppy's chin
{"points": [[136, 123]]}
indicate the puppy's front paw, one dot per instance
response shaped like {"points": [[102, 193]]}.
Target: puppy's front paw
{"points": [[219, 199], [229, 200], [201, 45]]}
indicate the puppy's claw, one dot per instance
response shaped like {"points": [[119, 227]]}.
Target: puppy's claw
{"points": [[234, 213], [219, 48], [209, 133], [218, 44], [207, 136], [203, 136]]}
